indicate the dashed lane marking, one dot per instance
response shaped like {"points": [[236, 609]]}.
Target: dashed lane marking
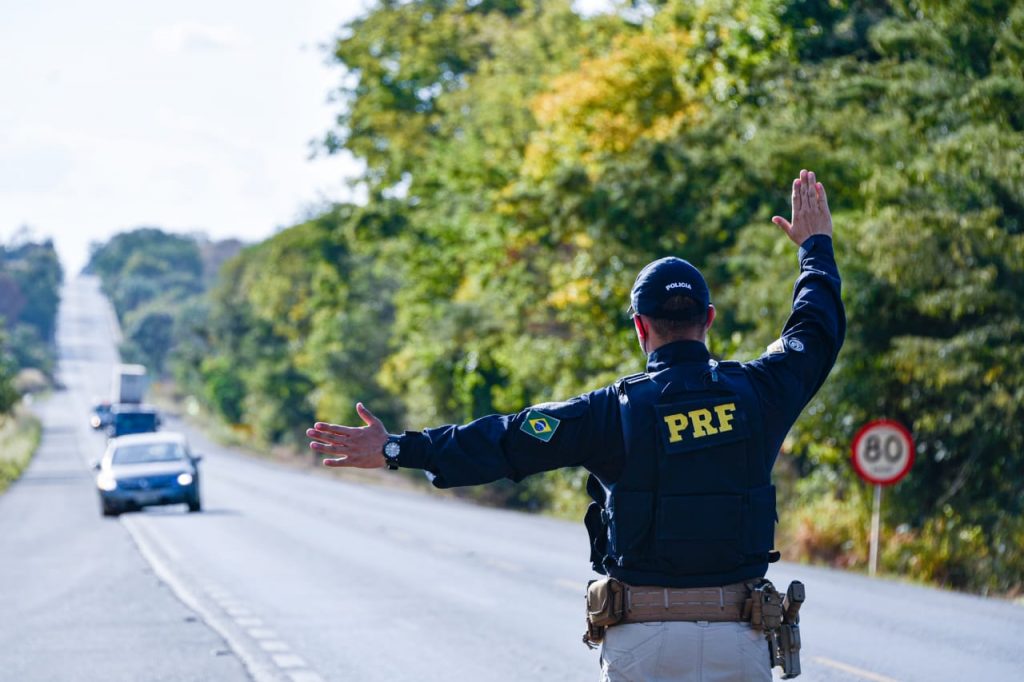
{"points": [[216, 591], [262, 633], [267, 640], [249, 622], [853, 670], [304, 676], [289, 661], [273, 645], [241, 647]]}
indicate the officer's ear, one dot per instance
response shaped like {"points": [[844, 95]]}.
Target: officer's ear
{"points": [[711, 317], [641, 330]]}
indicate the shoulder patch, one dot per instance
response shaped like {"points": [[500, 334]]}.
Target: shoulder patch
{"points": [[795, 343], [539, 425]]}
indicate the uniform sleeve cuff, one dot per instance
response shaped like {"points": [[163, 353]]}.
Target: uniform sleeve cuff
{"points": [[815, 243], [414, 450]]}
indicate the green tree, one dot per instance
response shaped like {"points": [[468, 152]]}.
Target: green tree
{"points": [[154, 279], [30, 280], [297, 325], [149, 335], [146, 264], [8, 395], [523, 162]]}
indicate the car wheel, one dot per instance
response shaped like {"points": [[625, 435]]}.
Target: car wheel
{"points": [[195, 505], [109, 509]]}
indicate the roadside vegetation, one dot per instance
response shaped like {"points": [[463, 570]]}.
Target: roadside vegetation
{"points": [[523, 162], [30, 279], [19, 432]]}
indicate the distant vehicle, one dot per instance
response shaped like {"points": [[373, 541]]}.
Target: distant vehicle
{"points": [[147, 469], [100, 417], [129, 384], [128, 419]]}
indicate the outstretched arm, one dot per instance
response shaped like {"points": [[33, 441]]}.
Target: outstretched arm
{"points": [[539, 438], [795, 366]]}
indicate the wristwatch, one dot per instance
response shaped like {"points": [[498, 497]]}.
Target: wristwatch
{"points": [[392, 448]]}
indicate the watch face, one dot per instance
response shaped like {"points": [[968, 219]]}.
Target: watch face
{"points": [[391, 449]]}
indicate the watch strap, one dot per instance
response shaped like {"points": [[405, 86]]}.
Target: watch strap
{"points": [[391, 460]]}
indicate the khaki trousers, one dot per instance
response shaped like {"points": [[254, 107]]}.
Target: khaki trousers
{"points": [[684, 652]]}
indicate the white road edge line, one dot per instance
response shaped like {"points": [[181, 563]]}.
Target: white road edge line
{"points": [[853, 670], [255, 667]]}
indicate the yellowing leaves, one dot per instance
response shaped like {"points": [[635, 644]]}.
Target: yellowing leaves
{"points": [[610, 102], [576, 292]]}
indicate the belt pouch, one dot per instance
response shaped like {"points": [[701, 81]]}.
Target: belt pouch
{"points": [[605, 602]]}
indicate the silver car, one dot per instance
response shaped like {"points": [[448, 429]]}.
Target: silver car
{"points": [[147, 469]]}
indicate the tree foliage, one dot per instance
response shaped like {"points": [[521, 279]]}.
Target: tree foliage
{"points": [[30, 280], [8, 395], [523, 162], [153, 278]]}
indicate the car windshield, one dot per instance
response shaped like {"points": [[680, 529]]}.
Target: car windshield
{"points": [[150, 452], [135, 420]]}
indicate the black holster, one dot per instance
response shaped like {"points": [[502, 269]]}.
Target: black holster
{"points": [[778, 616]]}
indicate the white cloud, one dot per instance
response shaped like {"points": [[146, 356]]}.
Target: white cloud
{"points": [[187, 37]]}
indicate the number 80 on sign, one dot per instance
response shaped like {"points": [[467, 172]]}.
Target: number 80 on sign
{"points": [[882, 452]]}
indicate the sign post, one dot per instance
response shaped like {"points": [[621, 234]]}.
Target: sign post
{"points": [[882, 454], [876, 519]]}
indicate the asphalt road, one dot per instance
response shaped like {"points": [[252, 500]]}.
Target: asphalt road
{"points": [[288, 575]]}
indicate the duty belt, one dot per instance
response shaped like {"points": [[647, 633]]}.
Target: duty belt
{"points": [[712, 604], [611, 602]]}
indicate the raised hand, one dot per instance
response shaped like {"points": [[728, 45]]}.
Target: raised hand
{"points": [[355, 446], [810, 210]]}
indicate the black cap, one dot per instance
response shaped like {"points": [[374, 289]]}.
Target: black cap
{"points": [[663, 279]]}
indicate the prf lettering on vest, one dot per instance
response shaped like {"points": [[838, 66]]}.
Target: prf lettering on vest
{"points": [[701, 421]]}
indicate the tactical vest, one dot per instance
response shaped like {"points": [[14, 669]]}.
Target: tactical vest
{"points": [[694, 505]]}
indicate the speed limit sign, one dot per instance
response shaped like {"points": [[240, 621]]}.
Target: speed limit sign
{"points": [[883, 452]]}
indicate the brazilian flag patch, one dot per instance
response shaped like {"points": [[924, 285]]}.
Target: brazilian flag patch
{"points": [[540, 426]]}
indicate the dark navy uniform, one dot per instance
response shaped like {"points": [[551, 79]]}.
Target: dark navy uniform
{"points": [[680, 458]]}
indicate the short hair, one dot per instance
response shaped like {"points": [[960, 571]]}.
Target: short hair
{"points": [[687, 317]]}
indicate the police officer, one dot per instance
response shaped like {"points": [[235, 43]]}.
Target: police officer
{"points": [[680, 458]]}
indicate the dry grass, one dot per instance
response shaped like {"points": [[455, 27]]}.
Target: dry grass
{"points": [[19, 436]]}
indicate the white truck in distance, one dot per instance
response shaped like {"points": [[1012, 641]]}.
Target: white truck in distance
{"points": [[129, 385]]}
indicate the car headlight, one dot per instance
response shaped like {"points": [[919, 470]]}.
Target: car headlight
{"points": [[95, 422], [185, 479], [106, 482]]}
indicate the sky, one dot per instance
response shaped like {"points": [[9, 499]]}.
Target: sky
{"points": [[187, 115], [191, 116]]}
